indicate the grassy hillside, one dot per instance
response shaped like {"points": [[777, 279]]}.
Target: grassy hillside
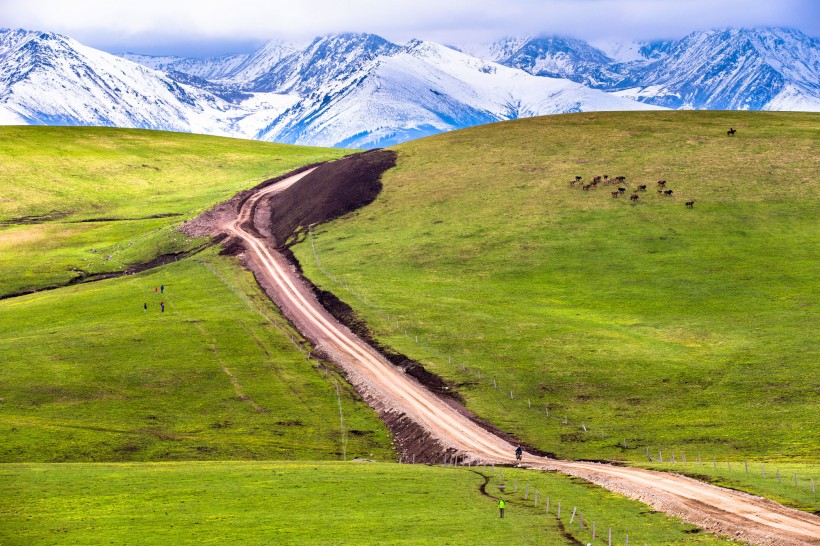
{"points": [[312, 503], [76, 200], [88, 374], [645, 326]]}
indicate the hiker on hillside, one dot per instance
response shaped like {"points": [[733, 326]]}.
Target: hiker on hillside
{"points": [[156, 290], [145, 307], [162, 289], [518, 453], [162, 306], [501, 506]]}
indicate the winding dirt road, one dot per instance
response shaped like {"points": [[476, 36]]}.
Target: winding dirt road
{"points": [[388, 389]]}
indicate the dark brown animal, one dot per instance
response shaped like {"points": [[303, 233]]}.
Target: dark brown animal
{"points": [[633, 197], [585, 187], [668, 192], [731, 132], [690, 204], [577, 178], [661, 183], [596, 179], [620, 179], [616, 194], [622, 190], [572, 183], [642, 187], [606, 177]]}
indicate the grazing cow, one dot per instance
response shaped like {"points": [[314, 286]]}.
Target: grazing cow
{"points": [[690, 204], [668, 192], [622, 190], [642, 187], [577, 178], [616, 193], [596, 179], [661, 183], [620, 179], [731, 132], [585, 187], [633, 197], [606, 177], [572, 183]]}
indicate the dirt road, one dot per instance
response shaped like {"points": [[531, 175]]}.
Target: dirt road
{"points": [[387, 388]]}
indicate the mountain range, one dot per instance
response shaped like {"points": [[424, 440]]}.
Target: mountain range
{"points": [[360, 90]]}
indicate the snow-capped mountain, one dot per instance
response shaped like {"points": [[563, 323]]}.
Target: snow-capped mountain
{"points": [[420, 89], [360, 90], [49, 79], [757, 69], [211, 68], [556, 57], [732, 69], [240, 68]]}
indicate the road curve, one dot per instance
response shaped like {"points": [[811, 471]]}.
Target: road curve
{"points": [[719, 510]]}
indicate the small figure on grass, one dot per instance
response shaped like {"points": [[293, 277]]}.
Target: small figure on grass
{"points": [[519, 452], [162, 289], [145, 307], [501, 506], [162, 306]]}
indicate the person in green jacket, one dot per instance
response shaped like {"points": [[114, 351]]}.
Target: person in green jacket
{"points": [[501, 506]]}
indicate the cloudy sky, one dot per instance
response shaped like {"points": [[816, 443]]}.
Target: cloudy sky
{"points": [[209, 27]]}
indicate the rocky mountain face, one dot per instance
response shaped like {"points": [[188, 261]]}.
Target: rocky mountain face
{"points": [[726, 69], [360, 90]]}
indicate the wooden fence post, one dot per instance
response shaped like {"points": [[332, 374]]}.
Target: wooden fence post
{"points": [[609, 539], [574, 508]]}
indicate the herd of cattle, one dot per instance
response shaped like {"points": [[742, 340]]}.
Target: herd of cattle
{"points": [[620, 182]]}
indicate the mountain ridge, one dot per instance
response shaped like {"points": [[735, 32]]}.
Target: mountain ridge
{"points": [[361, 90]]}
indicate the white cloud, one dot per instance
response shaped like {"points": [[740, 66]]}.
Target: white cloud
{"points": [[147, 23]]}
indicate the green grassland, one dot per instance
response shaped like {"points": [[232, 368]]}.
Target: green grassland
{"points": [[641, 326], [312, 503], [89, 375], [53, 180]]}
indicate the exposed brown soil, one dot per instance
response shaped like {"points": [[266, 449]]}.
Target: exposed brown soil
{"points": [[331, 190]]}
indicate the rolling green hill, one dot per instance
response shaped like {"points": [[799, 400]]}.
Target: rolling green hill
{"points": [[646, 326], [78, 201], [90, 375]]}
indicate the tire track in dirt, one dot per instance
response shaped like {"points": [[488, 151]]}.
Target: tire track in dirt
{"points": [[392, 392]]}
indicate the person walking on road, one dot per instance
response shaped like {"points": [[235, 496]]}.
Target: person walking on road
{"points": [[501, 506], [518, 453]]}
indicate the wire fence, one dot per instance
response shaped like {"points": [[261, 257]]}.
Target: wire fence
{"points": [[560, 418]]}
